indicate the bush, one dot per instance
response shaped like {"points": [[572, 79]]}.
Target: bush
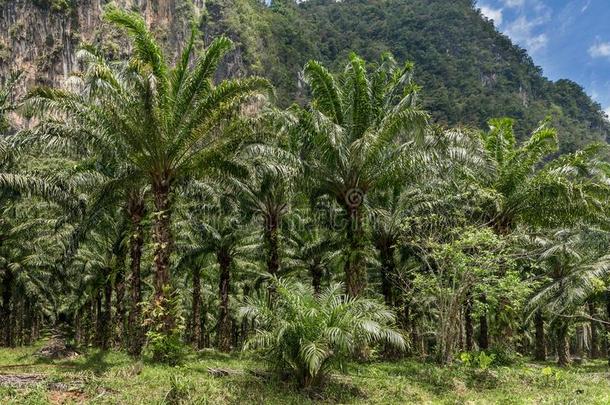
{"points": [[480, 360], [505, 357], [311, 335]]}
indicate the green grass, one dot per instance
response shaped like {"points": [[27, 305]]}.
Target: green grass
{"points": [[112, 377]]}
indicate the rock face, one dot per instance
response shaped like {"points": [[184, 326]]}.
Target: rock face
{"points": [[40, 37]]}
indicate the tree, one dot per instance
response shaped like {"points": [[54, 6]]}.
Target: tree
{"points": [[530, 188], [216, 231], [166, 122], [310, 334], [353, 134], [310, 247], [574, 272], [102, 172]]}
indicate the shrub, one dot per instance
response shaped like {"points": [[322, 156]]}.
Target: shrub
{"points": [[311, 335], [480, 360]]}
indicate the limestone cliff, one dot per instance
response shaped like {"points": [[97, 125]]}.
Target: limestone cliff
{"points": [[39, 37]]}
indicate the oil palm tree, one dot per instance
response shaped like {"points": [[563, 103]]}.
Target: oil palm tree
{"points": [[217, 229], [266, 196], [573, 274], [352, 137], [166, 122], [310, 334], [532, 189]]}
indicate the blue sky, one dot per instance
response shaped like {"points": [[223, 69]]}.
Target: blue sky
{"points": [[567, 38]]}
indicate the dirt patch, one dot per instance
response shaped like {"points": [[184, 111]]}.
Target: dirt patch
{"points": [[68, 392], [67, 397], [31, 380], [22, 380]]}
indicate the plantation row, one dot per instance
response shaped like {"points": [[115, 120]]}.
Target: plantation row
{"points": [[148, 206]]}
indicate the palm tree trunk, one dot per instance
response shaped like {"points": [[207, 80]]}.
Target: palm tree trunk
{"points": [[608, 326], [7, 295], [78, 326], [98, 318], [355, 276], [119, 296], [107, 312], [136, 211], [483, 326], [162, 238], [272, 243], [468, 326], [386, 254], [563, 348], [29, 313], [196, 312], [540, 349], [224, 323], [89, 324], [316, 278], [594, 349]]}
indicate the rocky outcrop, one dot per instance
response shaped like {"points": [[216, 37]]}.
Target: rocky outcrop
{"points": [[40, 37]]}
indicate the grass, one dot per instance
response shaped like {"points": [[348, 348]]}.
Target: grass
{"points": [[112, 377]]}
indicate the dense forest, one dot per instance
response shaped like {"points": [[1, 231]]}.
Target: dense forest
{"points": [[469, 71], [331, 202]]}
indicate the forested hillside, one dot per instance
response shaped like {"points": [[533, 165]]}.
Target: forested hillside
{"points": [[469, 71]]}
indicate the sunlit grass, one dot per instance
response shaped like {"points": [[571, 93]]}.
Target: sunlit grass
{"points": [[113, 377]]}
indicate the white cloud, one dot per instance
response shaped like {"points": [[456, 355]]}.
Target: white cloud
{"points": [[537, 42], [513, 3], [586, 6], [607, 111], [600, 50], [522, 31], [492, 14]]}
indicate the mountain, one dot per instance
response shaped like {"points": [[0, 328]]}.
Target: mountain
{"points": [[469, 71]]}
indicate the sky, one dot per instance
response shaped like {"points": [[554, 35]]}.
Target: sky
{"points": [[569, 39]]}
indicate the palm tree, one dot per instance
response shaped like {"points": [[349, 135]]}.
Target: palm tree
{"points": [[352, 137], [310, 247], [573, 273], [102, 174], [30, 240], [310, 334], [216, 230], [166, 122], [532, 189], [266, 196], [16, 181], [100, 257]]}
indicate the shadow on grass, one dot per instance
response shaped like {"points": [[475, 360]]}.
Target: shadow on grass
{"points": [[252, 389], [94, 361], [213, 355]]}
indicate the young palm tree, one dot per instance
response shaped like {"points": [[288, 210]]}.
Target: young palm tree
{"points": [[166, 122], [310, 334], [353, 135]]}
